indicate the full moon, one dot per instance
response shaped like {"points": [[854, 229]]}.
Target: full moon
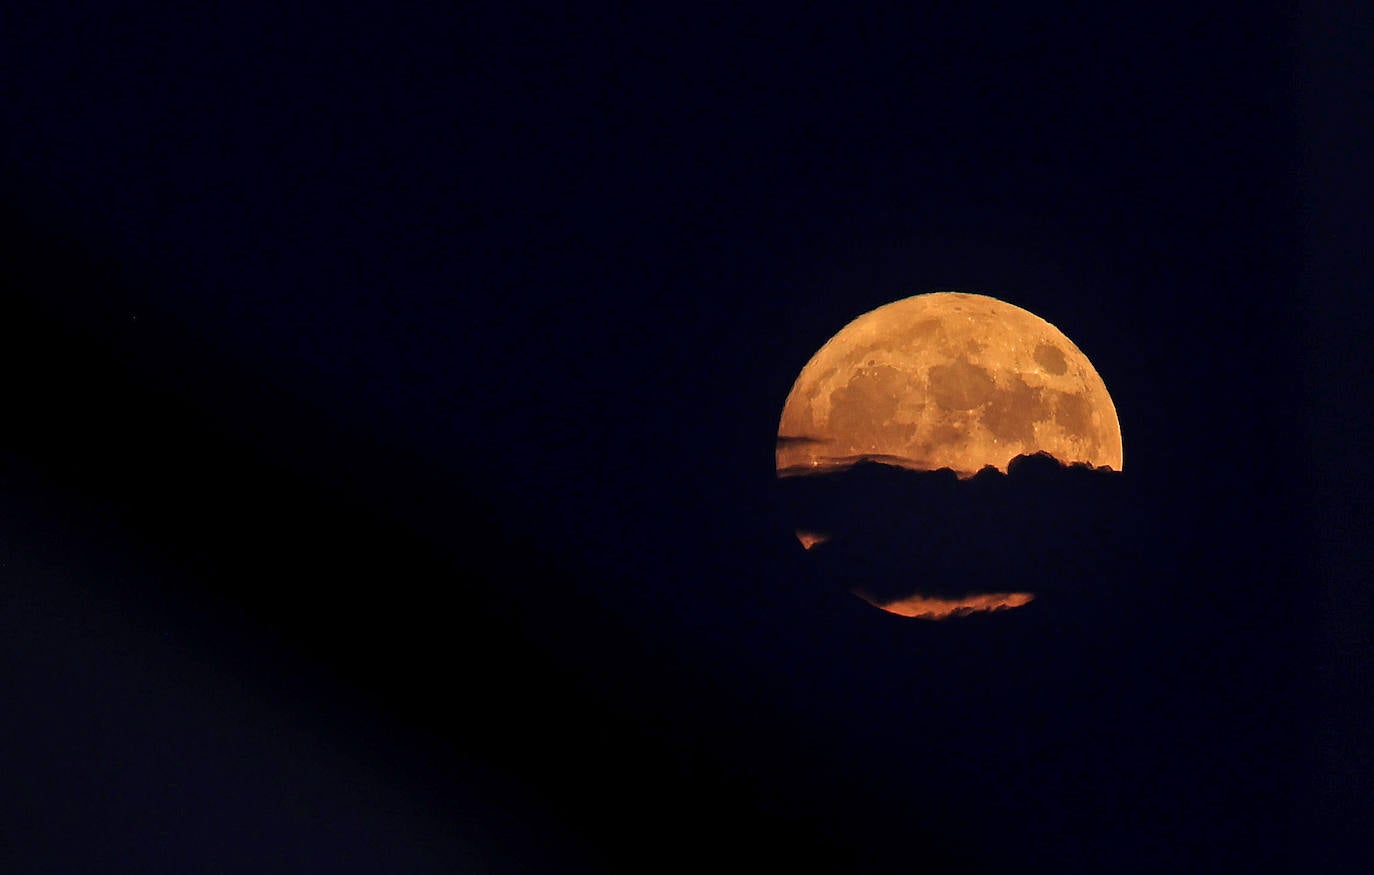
{"points": [[947, 380]]}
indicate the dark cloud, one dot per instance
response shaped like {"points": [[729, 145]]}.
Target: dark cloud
{"points": [[1144, 658], [800, 440], [896, 533], [840, 463]]}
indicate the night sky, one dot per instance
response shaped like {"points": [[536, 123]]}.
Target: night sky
{"points": [[387, 462]]}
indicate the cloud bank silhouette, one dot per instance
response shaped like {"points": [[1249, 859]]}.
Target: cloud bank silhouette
{"points": [[926, 543]]}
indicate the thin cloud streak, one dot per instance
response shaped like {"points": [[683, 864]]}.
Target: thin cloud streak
{"points": [[936, 608]]}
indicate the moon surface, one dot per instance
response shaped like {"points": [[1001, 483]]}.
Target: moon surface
{"points": [[947, 380]]}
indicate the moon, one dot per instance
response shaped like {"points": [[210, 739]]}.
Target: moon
{"points": [[947, 380]]}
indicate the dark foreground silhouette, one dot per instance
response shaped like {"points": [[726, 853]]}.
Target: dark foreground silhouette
{"points": [[891, 533]]}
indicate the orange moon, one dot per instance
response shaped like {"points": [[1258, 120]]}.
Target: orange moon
{"points": [[947, 380]]}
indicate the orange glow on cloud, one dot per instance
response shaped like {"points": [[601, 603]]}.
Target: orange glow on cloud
{"points": [[932, 608], [811, 539]]}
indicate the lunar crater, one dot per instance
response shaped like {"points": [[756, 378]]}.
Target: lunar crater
{"points": [[1051, 359], [960, 385]]}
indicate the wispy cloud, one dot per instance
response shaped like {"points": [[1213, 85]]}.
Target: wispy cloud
{"points": [[800, 440], [810, 539], [937, 608], [836, 464]]}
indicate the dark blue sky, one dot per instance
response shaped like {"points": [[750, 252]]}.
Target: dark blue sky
{"points": [[393, 390]]}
